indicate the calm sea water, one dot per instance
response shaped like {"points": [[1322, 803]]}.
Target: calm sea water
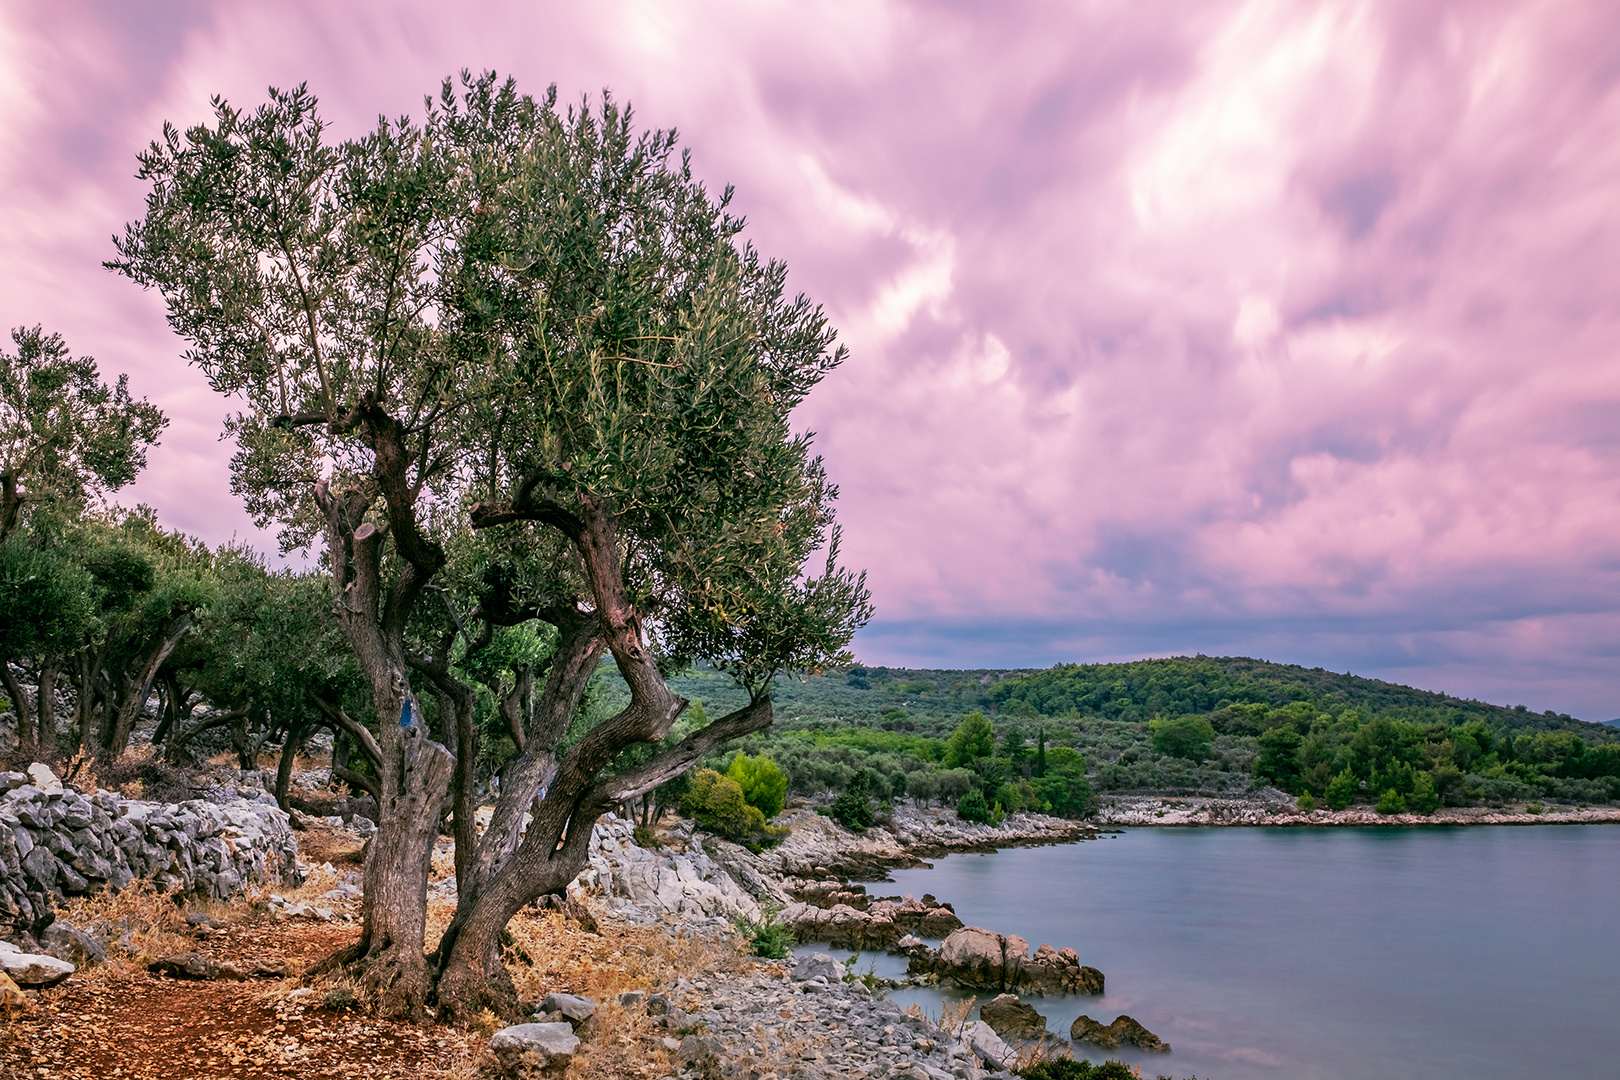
{"points": [[1323, 954]]}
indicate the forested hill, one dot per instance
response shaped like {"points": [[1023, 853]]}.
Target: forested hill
{"points": [[1186, 685], [931, 701]]}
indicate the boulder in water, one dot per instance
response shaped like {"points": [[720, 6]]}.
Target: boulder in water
{"points": [[1013, 1019], [1122, 1030]]}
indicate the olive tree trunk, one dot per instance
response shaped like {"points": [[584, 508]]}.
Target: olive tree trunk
{"points": [[414, 771], [567, 792]]}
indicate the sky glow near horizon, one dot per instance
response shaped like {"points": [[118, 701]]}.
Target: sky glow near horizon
{"points": [[1277, 329]]}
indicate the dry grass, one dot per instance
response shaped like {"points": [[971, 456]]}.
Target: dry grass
{"points": [[953, 1016], [154, 923], [548, 953], [1049, 1049]]}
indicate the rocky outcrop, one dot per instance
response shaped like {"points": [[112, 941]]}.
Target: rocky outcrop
{"points": [[547, 1048], [818, 848], [812, 1025], [1013, 1019], [643, 886], [572, 1009], [985, 960], [196, 966], [828, 894], [986, 1045], [32, 970], [60, 843], [1123, 1031], [1275, 808], [880, 926]]}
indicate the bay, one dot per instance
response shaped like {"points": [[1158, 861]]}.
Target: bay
{"points": [[1487, 953]]}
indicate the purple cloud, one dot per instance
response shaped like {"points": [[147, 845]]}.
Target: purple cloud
{"points": [[1288, 329]]}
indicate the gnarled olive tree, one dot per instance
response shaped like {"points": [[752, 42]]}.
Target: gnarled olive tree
{"points": [[532, 332]]}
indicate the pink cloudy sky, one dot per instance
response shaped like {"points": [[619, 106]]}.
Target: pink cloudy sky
{"points": [[1289, 330]]}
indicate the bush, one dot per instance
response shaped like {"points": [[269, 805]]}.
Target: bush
{"points": [[1307, 802], [853, 809], [1341, 790], [1425, 799], [764, 784], [953, 784], [1279, 758], [1182, 736], [973, 738], [769, 939], [1069, 1069], [922, 786], [973, 808], [716, 803], [1391, 802], [1064, 789]]}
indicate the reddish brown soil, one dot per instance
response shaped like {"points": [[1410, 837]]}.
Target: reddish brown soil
{"points": [[123, 1023]]}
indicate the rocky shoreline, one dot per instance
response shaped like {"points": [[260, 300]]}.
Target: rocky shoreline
{"points": [[810, 1018], [1276, 808]]}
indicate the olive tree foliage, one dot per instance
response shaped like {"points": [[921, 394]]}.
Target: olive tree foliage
{"points": [[650, 363], [517, 367], [65, 434], [95, 605], [315, 284]]}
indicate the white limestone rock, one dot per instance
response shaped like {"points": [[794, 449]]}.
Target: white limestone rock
{"points": [[32, 970]]}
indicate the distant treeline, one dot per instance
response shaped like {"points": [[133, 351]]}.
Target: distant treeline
{"points": [[1188, 724], [1191, 685]]}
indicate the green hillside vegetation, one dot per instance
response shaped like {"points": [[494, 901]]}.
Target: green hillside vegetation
{"points": [[1191, 685], [1184, 725]]}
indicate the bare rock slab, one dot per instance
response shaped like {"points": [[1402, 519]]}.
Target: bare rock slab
{"points": [[550, 1046], [32, 970]]}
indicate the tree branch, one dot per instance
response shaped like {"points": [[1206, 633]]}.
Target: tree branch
{"points": [[360, 781], [755, 716], [357, 731]]}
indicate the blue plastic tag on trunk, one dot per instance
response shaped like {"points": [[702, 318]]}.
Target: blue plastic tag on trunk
{"points": [[405, 714]]}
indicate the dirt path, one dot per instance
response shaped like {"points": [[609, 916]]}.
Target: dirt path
{"points": [[126, 1024]]}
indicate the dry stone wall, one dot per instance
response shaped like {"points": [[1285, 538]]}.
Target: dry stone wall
{"points": [[56, 842]]}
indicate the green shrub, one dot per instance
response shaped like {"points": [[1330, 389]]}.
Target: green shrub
{"points": [[1341, 790], [922, 786], [1063, 789], [1307, 802], [716, 802], [1279, 758], [1182, 736], [973, 807], [973, 738], [340, 998], [1425, 799], [764, 784], [767, 938], [953, 784], [1391, 802], [853, 809], [1069, 1069]]}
